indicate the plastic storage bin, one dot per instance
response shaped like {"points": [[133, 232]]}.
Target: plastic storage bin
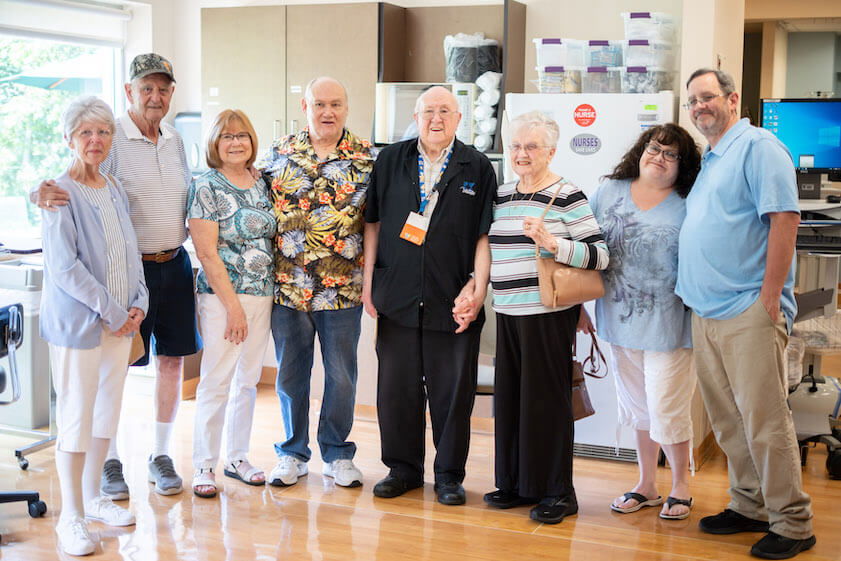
{"points": [[558, 79], [648, 52], [601, 79], [655, 26], [641, 79], [605, 53], [559, 52]]}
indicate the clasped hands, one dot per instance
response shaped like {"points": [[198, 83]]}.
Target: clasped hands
{"points": [[132, 324], [467, 305]]}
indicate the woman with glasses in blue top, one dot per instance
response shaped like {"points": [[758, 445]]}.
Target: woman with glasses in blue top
{"points": [[640, 208]]}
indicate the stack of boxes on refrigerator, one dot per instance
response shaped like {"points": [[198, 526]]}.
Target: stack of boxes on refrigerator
{"points": [[642, 62]]}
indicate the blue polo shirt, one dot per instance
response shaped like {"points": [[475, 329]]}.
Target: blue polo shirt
{"points": [[724, 238]]}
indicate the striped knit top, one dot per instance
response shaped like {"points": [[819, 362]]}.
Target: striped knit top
{"points": [[513, 265], [103, 200]]}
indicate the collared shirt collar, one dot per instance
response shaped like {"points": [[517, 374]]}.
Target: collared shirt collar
{"points": [[729, 138], [132, 132], [441, 156]]}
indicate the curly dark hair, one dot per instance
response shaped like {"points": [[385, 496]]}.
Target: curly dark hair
{"points": [[689, 163]]}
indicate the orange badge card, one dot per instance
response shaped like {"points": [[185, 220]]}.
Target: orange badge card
{"points": [[414, 230]]}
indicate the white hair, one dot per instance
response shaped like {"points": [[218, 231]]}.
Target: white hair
{"points": [[84, 109], [537, 120], [308, 90], [419, 100]]}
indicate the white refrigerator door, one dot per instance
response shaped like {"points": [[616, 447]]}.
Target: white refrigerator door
{"points": [[595, 132], [596, 129]]}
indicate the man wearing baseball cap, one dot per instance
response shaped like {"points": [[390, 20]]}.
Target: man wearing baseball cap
{"points": [[148, 157]]}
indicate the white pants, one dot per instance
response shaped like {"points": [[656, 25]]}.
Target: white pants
{"points": [[654, 391], [89, 390], [222, 363]]}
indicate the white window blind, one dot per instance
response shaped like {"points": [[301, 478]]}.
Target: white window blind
{"points": [[63, 20]]}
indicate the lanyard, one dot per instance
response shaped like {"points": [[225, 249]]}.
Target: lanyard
{"points": [[424, 198]]}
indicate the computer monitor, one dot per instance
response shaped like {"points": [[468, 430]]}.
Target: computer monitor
{"points": [[811, 130]]}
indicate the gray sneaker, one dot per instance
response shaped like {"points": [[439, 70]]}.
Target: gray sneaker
{"points": [[113, 483], [162, 474]]}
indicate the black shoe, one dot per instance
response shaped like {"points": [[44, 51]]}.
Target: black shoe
{"points": [[450, 493], [552, 510], [731, 522], [775, 546], [507, 499], [392, 486]]}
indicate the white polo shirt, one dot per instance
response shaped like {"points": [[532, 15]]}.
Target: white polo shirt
{"points": [[156, 179]]}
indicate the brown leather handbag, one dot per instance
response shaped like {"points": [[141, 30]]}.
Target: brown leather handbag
{"points": [[562, 285], [581, 405]]}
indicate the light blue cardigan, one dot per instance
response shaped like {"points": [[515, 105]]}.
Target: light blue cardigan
{"points": [[75, 302]]}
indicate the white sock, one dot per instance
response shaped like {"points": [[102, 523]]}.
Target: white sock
{"points": [[112, 450], [162, 433]]}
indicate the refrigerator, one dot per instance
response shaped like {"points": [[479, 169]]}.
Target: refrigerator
{"points": [[595, 132]]}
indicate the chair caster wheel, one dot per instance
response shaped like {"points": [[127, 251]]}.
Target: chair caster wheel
{"points": [[37, 509], [23, 463]]}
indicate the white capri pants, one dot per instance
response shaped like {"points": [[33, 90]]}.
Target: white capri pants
{"points": [[89, 390], [654, 392], [227, 388]]}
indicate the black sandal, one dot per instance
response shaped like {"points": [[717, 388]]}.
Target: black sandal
{"points": [[670, 502]]}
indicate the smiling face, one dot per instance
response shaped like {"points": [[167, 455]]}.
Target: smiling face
{"points": [[91, 142], [530, 153], [656, 168], [150, 97], [234, 144], [327, 109], [437, 118], [714, 117]]}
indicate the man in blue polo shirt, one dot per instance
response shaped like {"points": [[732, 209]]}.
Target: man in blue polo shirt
{"points": [[736, 273]]}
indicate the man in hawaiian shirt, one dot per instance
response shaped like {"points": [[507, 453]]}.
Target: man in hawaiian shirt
{"points": [[319, 179]]}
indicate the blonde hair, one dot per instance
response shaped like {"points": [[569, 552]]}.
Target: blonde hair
{"points": [[220, 123]]}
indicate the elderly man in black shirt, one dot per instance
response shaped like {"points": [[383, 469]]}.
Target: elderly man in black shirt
{"points": [[428, 214]]}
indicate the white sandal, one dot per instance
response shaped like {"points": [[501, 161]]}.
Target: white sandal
{"points": [[244, 471], [204, 478]]}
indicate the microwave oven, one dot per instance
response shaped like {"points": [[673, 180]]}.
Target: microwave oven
{"points": [[395, 108]]}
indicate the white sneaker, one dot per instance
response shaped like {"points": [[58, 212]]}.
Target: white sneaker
{"points": [[104, 510], [73, 536], [287, 471], [344, 472]]}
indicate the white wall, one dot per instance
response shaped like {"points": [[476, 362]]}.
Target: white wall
{"points": [[811, 63]]}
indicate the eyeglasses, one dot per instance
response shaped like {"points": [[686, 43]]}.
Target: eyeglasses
{"points": [[242, 137], [655, 150], [529, 148], [444, 113], [703, 99]]}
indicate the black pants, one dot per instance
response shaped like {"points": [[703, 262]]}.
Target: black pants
{"points": [[532, 403], [416, 364]]}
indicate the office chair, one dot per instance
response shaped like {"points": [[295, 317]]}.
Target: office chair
{"points": [[11, 337]]}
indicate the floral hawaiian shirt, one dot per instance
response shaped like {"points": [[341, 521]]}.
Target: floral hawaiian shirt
{"points": [[319, 208]]}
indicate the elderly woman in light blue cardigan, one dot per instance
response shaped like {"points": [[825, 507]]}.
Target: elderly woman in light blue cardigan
{"points": [[94, 299]]}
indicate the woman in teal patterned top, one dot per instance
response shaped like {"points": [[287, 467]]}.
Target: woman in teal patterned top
{"points": [[233, 227]]}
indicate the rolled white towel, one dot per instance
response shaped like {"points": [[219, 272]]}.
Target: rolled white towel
{"points": [[489, 97], [482, 112], [486, 126], [483, 142], [489, 80]]}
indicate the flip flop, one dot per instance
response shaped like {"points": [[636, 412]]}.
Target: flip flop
{"points": [[232, 469], [204, 478], [670, 502], [642, 502]]}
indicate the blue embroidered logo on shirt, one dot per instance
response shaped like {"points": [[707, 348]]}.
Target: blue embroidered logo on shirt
{"points": [[468, 188]]}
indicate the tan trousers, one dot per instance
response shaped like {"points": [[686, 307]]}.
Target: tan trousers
{"points": [[739, 363]]}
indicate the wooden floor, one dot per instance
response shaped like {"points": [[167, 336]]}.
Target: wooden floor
{"points": [[317, 520]]}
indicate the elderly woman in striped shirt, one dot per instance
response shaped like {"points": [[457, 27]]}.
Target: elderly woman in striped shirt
{"points": [[532, 402], [95, 298]]}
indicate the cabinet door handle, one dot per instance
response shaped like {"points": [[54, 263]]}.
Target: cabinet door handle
{"points": [[277, 129], [293, 126]]}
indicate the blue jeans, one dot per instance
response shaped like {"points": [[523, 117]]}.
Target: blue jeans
{"points": [[294, 336]]}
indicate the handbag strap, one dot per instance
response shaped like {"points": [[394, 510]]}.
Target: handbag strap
{"points": [[595, 361], [557, 192]]}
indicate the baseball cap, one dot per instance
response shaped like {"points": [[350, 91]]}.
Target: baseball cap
{"points": [[150, 63]]}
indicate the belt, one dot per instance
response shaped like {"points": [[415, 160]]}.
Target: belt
{"points": [[162, 256]]}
